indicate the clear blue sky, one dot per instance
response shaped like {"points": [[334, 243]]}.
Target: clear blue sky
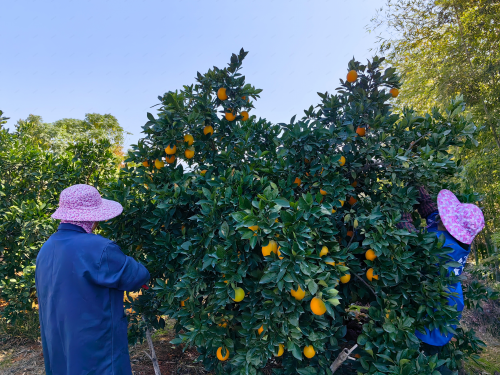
{"points": [[62, 59]]}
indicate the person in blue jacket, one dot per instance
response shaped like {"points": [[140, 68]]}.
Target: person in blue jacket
{"points": [[80, 279], [459, 223]]}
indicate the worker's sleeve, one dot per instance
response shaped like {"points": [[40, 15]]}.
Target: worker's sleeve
{"points": [[119, 271], [406, 222], [426, 204]]}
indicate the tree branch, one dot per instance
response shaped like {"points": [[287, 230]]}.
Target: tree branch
{"points": [[152, 349], [368, 286], [342, 357]]}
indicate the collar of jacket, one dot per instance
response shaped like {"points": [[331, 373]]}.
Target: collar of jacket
{"points": [[68, 226]]}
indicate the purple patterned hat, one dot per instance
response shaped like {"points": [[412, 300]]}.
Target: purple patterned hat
{"points": [[84, 203], [463, 220]]}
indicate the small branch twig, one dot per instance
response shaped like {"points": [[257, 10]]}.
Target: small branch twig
{"points": [[342, 357], [152, 349], [368, 286]]}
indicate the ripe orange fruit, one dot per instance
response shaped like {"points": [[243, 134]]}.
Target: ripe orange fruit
{"points": [[297, 181], [239, 294], [370, 276], [183, 302], [360, 131], [357, 356], [298, 294], [189, 139], [260, 330], [221, 94], [244, 97], [322, 192], [219, 354], [230, 116], [255, 228], [208, 129], [159, 164], [394, 92], [309, 351], [354, 184], [145, 163], [244, 114], [270, 248], [333, 210], [281, 350], [307, 161], [330, 263], [170, 159], [189, 153], [345, 279], [324, 251], [350, 233], [352, 76], [317, 306], [171, 150], [279, 253], [370, 255], [342, 161], [352, 201], [341, 203], [203, 172]]}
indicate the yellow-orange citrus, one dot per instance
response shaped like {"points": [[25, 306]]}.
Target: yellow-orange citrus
{"points": [[342, 161], [145, 163], [254, 228], [370, 276], [297, 181], [370, 255], [170, 159], [208, 130], [281, 350], [298, 294], [361, 131], [352, 201], [306, 160], [333, 210], [221, 94], [159, 164], [260, 330], [354, 184], [189, 139], [219, 354], [322, 192], [203, 172], [239, 294], [279, 253], [350, 233], [309, 351], [341, 203], [352, 76], [330, 263], [394, 92], [272, 247], [189, 153], [324, 251], [317, 306], [244, 114], [230, 116], [171, 150], [345, 279]]}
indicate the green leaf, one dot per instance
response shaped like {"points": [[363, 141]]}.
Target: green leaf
{"points": [[282, 202]]}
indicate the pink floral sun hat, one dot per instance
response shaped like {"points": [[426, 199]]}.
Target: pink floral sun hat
{"points": [[463, 220], [84, 203]]}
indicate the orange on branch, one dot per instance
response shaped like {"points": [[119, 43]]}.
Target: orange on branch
{"points": [[159, 164], [352, 201], [370, 276], [352, 76], [221, 94], [298, 294], [260, 330], [360, 131], [230, 116], [370, 255], [219, 354], [354, 184], [189, 139], [324, 251], [309, 351], [171, 150], [170, 159], [272, 247], [317, 306], [281, 350], [189, 153], [244, 114], [239, 294], [145, 163], [350, 233], [297, 181], [208, 130], [254, 228], [345, 279], [394, 92], [342, 161], [322, 192]]}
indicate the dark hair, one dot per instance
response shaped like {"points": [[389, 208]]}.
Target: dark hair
{"points": [[440, 222]]}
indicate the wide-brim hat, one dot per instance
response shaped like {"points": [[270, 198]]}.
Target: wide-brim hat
{"points": [[462, 220], [84, 203]]}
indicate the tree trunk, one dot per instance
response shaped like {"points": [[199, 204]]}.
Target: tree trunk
{"points": [[342, 357], [152, 350]]}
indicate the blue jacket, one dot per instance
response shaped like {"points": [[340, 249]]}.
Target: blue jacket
{"points": [[80, 279], [459, 254]]}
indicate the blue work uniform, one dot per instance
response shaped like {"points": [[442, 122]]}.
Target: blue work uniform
{"points": [[459, 254], [80, 279]]}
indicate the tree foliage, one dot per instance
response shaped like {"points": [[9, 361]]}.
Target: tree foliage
{"points": [[201, 232], [31, 179], [449, 47]]}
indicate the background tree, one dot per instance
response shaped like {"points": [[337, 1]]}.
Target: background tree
{"points": [[59, 135], [31, 179], [278, 231], [444, 48]]}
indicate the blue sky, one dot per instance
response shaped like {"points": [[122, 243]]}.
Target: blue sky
{"points": [[62, 59]]}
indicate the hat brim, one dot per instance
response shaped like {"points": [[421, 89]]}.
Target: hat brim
{"points": [[107, 210], [447, 206]]}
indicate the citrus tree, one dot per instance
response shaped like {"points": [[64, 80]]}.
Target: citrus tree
{"points": [[263, 248], [31, 179]]}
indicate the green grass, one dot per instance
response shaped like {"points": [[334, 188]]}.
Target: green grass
{"points": [[489, 362], [27, 328]]}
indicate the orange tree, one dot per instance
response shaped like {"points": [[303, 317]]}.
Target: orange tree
{"points": [[259, 248]]}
